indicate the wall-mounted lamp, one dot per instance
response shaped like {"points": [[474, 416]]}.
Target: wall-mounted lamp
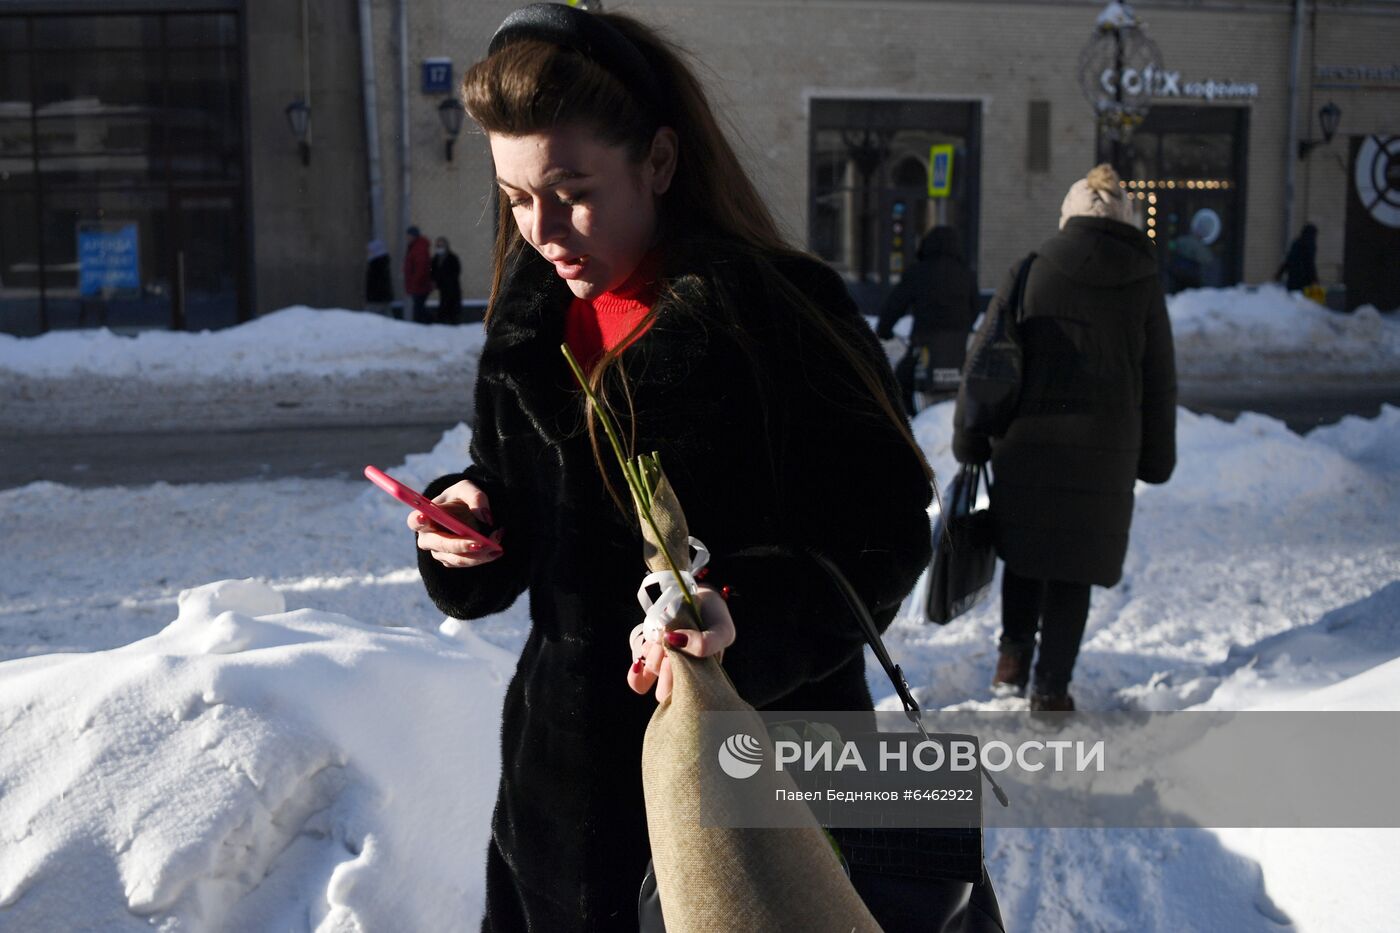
{"points": [[1329, 116], [451, 112], [299, 119]]}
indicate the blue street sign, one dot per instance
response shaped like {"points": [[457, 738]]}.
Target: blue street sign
{"points": [[437, 76], [940, 170]]}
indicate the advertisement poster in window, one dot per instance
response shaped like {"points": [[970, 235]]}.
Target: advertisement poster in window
{"points": [[108, 258]]}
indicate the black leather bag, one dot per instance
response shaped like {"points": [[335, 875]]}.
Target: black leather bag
{"points": [[964, 553], [992, 376], [927, 880]]}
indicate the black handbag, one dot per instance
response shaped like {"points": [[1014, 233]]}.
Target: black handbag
{"points": [[911, 879], [992, 376], [964, 553]]}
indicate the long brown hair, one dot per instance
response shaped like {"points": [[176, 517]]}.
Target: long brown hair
{"points": [[531, 86]]}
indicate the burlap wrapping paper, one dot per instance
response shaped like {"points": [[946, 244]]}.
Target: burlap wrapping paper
{"points": [[711, 878]]}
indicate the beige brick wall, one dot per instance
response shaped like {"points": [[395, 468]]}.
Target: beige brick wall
{"points": [[1370, 109], [765, 59], [310, 223]]}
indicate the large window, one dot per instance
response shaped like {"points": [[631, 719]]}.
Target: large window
{"points": [[869, 200], [117, 133]]}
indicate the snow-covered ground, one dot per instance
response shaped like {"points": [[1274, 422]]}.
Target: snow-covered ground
{"points": [[302, 366], [296, 366], [232, 706], [316, 748], [1264, 334]]}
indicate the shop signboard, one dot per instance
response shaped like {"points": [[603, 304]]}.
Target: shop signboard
{"points": [[1163, 83], [108, 257], [940, 170]]}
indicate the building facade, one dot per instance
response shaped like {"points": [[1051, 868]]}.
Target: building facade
{"points": [[150, 175]]}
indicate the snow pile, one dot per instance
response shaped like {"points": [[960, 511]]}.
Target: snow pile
{"points": [[1261, 332], [250, 769], [327, 544], [296, 340]]}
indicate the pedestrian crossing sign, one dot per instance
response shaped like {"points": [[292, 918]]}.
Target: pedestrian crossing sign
{"points": [[940, 170]]}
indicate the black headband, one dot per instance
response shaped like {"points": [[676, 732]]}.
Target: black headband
{"points": [[591, 37]]}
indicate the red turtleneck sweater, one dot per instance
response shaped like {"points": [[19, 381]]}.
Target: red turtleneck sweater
{"points": [[592, 327]]}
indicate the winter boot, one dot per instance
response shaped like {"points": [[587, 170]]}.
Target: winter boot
{"points": [[1013, 673], [1052, 703]]}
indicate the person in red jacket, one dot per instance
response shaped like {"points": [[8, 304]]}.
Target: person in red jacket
{"points": [[417, 274]]}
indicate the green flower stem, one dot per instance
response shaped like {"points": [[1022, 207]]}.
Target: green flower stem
{"points": [[636, 475]]}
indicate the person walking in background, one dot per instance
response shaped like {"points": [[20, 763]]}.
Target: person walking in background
{"points": [[1300, 265], [379, 284], [446, 272], [1097, 412], [940, 291], [417, 274], [1190, 263]]}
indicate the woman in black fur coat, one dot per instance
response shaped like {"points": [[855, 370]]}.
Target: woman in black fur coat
{"points": [[629, 230]]}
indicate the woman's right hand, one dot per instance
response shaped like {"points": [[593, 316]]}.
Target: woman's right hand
{"points": [[465, 501]]}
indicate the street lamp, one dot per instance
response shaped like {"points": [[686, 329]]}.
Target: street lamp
{"points": [[450, 112], [1119, 71], [299, 119], [1328, 117]]}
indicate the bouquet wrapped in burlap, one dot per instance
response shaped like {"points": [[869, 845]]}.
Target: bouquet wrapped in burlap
{"points": [[712, 878]]}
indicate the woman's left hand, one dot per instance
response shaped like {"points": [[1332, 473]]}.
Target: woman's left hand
{"points": [[650, 665]]}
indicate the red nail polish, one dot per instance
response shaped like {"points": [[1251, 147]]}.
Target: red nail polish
{"points": [[725, 592], [637, 667], [677, 639]]}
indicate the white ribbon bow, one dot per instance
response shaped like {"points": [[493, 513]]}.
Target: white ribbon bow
{"points": [[663, 609]]}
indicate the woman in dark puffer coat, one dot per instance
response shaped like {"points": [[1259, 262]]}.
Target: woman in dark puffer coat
{"points": [[1097, 412]]}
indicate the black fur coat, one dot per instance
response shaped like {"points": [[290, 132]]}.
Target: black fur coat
{"points": [[771, 452]]}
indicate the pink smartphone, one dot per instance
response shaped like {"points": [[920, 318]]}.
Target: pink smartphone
{"points": [[429, 508]]}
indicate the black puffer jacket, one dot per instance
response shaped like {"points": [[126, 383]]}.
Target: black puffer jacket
{"points": [[941, 293], [770, 452], [1097, 408]]}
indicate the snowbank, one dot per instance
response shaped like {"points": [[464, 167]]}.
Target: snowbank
{"points": [[293, 368], [249, 768], [300, 340], [1264, 332]]}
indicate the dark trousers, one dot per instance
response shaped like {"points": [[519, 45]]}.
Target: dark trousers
{"points": [[1058, 610], [420, 309], [449, 310]]}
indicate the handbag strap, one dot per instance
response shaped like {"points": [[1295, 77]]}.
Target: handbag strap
{"points": [[968, 489], [882, 654], [1018, 295]]}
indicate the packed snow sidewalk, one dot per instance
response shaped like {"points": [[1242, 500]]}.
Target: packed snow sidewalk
{"points": [[316, 748], [1266, 335], [295, 367], [301, 366]]}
